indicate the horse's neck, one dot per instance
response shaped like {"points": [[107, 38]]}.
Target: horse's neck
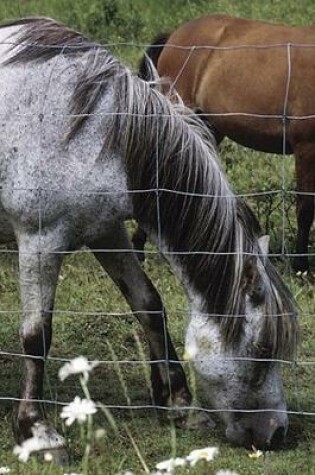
{"points": [[197, 302]]}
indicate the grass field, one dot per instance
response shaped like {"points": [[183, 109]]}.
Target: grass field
{"points": [[86, 300]]}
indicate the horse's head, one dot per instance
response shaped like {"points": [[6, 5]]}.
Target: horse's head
{"points": [[242, 379]]}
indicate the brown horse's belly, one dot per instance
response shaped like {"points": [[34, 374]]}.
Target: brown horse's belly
{"points": [[259, 134]]}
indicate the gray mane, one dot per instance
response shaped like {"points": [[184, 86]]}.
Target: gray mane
{"points": [[211, 231], [180, 193], [43, 38]]}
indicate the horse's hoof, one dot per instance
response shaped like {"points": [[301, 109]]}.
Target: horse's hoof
{"points": [[50, 442], [45, 442]]}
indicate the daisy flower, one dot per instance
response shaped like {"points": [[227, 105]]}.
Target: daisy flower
{"points": [[169, 466], [78, 410], [79, 365], [226, 472], [207, 454]]}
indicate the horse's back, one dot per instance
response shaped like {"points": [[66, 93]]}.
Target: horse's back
{"points": [[41, 170], [226, 65], [225, 30]]}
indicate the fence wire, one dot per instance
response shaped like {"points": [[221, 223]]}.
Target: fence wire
{"points": [[305, 358]]}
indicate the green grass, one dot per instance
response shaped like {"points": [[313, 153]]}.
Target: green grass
{"points": [[83, 288], [85, 296]]}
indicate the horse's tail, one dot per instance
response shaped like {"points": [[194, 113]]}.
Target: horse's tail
{"points": [[153, 53]]}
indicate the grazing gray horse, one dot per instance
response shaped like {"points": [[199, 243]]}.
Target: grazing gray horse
{"points": [[86, 145]]}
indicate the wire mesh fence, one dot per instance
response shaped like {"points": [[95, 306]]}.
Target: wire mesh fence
{"points": [[90, 316]]}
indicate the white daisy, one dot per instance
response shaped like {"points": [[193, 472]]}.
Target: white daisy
{"points": [[226, 472], [79, 365], [207, 454], [4, 469], [78, 410], [48, 457], [169, 466]]}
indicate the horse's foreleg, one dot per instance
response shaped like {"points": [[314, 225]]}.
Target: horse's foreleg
{"points": [[305, 178], [168, 378], [38, 271]]}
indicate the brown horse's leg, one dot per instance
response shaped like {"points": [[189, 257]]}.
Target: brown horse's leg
{"points": [[305, 179], [38, 279], [168, 378], [138, 241]]}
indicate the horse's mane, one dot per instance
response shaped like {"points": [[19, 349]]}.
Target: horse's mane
{"points": [[180, 193], [43, 38]]}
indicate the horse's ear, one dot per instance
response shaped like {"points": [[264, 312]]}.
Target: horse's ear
{"points": [[250, 274], [263, 242]]}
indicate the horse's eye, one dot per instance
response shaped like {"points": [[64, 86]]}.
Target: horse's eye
{"points": [[262, 351]]}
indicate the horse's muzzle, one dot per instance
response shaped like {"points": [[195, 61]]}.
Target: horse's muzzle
{"points": [[264, 431]]}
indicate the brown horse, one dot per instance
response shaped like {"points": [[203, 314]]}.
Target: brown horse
{"points": [[256, 83]]}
